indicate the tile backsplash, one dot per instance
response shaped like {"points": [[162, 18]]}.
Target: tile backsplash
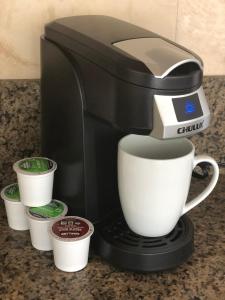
{"points": [[198, 25], [20, 122]]}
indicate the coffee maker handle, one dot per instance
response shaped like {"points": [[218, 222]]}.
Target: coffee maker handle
{"points": [[198, 159]]}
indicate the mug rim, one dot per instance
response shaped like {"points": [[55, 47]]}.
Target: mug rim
{"points": [[156, 159]]}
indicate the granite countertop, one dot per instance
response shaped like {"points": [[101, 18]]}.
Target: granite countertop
{"points": [[27, 273]]}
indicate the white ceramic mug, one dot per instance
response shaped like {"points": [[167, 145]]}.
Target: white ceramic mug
{"points": [[154, 179]]}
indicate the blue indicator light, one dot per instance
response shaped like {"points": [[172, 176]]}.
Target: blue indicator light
{"points": [[189, 107]]}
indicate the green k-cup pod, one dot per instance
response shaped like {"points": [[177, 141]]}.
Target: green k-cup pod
{"points": [[11, 193], [35, 165], [54, 209]]}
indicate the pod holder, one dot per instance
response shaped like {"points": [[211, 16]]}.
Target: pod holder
{"points": [[121, 247]]}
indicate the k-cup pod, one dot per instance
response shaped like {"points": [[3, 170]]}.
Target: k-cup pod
{"points": [[40, 218], [35, 178], [15, 210], [71, 240]]}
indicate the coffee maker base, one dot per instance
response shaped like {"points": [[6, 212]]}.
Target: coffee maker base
{"points": [[121, 247]]}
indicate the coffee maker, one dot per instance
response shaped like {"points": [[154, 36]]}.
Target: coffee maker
{"points": [[101, 79]]}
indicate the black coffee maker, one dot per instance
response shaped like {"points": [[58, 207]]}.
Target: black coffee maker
{"points": [[101, 79]]}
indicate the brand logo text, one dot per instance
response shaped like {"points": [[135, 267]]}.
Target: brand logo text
{"points": [[190, 128]]}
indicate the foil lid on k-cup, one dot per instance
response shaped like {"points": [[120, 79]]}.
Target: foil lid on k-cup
{"points": [[11, 193], [35, 165], [72, 228], [54, 209]]}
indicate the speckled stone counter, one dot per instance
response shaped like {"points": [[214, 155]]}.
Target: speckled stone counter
{"points": [[19, 123], [26, 273]]}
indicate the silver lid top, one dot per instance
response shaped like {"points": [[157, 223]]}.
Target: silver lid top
{"points": [[159, 56]]}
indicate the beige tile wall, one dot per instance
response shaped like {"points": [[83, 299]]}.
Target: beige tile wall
{"points": [[199, 25]]}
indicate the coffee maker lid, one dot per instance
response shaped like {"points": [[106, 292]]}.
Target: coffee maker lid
{"points": [[159, 56], [128, 52]]}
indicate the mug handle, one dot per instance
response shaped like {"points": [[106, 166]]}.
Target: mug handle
{"points": [[198, 159]]}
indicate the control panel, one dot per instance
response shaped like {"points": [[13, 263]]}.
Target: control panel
{"points": [[181, 115], [187, 108]]}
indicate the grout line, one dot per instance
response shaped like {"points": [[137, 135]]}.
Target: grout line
{"points": [[176, 26]]}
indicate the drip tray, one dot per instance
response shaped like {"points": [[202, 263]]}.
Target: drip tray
{"points": [[116, 243]]}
